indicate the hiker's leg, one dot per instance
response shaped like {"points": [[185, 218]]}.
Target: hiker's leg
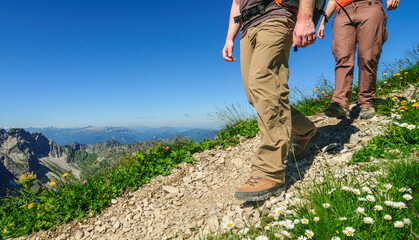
{"points": [[268, 92], [343, 47], [372, 34], [246, 53]]}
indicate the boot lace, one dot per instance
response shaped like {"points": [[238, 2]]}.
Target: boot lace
{"points": [[253, 180]]}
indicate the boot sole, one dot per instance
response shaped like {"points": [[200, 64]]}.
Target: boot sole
{"points": [[259, 196], [336, 115], [367, 116]]}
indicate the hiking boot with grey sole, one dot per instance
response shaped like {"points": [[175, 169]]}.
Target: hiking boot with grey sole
{"points": [[367, 112], [258, 189], [337, 111]]}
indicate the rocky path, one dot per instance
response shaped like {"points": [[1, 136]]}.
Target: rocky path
{"points": [[195, 198]]}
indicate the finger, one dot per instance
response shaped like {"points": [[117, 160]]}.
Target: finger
{"points": [[296, 41], [230, 52], [304, 42], [313, 38], [225, 55]]}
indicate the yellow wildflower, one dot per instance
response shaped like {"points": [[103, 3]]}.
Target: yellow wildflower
{"points": [[416, 104], [5, 230], [31, 205], [385, 74], [401, 77], [64, 175], [323, 92], [52, 183], [403, 102], [406, 72], [394, 98]]}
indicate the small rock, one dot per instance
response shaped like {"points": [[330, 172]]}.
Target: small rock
{"points": [[170, 189]]}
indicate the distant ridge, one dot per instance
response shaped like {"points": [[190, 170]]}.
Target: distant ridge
{"points": [[93, 135]]}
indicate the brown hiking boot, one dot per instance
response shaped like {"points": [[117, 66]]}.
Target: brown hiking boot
{"points": [[258, 189], [301, 148], [367, 112], [337, 111]]}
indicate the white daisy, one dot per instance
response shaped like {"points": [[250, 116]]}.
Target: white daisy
{"points": [[407, 221], [342, 218], [368, 220], [360, 210], [388, 203], [345, 188], [296, 221], [326, 205], [370, 198], [262, 238], [410, 127], [367, 190], [278, 210], [400, 205], [387, 217], [408, 197], [378, 208], [289, 226], [388, 186], [304, 221], [398, 224], [349, 231], [316, 219], [286, 233], [301, 238], [335, 238], [309, 233]]}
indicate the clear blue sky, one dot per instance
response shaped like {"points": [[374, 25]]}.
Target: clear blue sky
{"points": [[129, 63]]}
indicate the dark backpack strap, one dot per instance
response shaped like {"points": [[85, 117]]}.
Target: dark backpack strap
{"points": [[253, 11]]}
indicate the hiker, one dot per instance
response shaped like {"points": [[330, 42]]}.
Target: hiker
{"points": [[265, 40], [362, 23]]}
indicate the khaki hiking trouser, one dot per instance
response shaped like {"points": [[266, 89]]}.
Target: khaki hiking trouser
{"points": [[264, 63], [370, 34]]}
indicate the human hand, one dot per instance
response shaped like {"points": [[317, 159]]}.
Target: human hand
{"points": [[320, 31], [304, 33], [228, 51], [392, 4]]}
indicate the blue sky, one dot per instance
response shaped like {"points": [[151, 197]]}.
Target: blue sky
{"points": [[131, 63]]}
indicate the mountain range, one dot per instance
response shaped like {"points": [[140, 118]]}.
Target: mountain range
{"points": [[93, 135], [22, 152]]}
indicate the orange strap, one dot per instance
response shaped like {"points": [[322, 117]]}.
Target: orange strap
{"points": [[342, 3], [279, 2]]}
